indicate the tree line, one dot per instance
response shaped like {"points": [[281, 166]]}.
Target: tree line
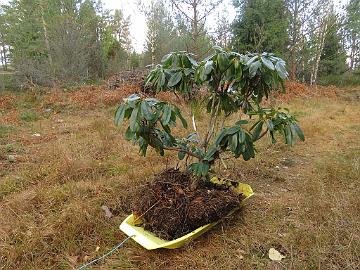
{"points": [[52, 42]]}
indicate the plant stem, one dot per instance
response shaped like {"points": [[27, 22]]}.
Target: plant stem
{"points": [[213, 125], [178, 149], [210, 122]]}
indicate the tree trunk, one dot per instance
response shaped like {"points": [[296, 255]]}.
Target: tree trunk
{"points": [[320, 46], [293, 64], [195, 30], [353, 50], [47, 43]]}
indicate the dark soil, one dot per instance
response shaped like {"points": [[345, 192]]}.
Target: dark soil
{"points": [[170, 209]]}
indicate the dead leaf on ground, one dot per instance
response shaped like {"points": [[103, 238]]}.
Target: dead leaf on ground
{"points": [[275, 255]]}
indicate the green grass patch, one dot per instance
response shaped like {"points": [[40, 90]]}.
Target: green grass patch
{"points": [[343, 80], [8, 81], [29, 116], [5, 130], [10, 185]]}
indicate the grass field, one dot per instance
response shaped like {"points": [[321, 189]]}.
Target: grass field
{"points": [[61, 159]]}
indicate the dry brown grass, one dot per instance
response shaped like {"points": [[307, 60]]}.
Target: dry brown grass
{"points": [[306, 204]]}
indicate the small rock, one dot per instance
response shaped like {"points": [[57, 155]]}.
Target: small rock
{"points": [[11, 158], [108, 213], [36, 135]]}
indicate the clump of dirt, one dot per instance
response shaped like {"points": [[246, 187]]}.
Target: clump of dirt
{"points": [[170, 209]]}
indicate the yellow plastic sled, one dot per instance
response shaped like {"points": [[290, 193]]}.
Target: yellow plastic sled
{"points": [[150, 241]]}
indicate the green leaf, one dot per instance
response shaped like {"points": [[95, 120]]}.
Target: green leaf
{"points": [[288, 136], [134, 125], [175, 79], [128, 134], [208, 67], [196, 168], [280, 68], [242, 122], [253, 68], [268, 63], [166, 59], [257, 131], [232, 130], [210, 153], [242, 136], [270, 125], [181, 155], [299, 132], [252, 60], [222, 61], [205, 169], [234, 142], [220, 137], [238, 75], [162, 79], [143, 146], [146, 110], [165, 119], [119, 115], [182, 119]]}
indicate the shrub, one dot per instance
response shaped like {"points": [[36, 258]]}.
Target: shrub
{"points": [[235, 83]]}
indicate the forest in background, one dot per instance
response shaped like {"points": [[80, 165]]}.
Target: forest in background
{"points": [[65, 42]]}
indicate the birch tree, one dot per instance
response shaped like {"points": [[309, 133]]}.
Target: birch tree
{"points": [[320, 24], [352, 28], [299, 13]]}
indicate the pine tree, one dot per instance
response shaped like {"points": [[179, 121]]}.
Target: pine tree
{"points": [[161, 37], [260, 26], [333, 57]]}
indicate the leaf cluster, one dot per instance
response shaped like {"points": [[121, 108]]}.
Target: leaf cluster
{"points": [[235, 83]]}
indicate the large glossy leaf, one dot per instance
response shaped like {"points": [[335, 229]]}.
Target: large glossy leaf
{"points": [[165, 119], [208, 67], [182, 119], [134, 125], [146, 110], [268, 63], [257, 131], [254, 68], [210, 153], [175, 79], [120, 113], [299, 132], [280, 68]]}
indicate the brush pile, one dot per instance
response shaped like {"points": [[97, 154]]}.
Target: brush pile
{"points": [[169, 208]]}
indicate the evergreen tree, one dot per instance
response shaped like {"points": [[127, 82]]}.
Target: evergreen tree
{"points": [[161, 37], [260, 25], [333, 57]]}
